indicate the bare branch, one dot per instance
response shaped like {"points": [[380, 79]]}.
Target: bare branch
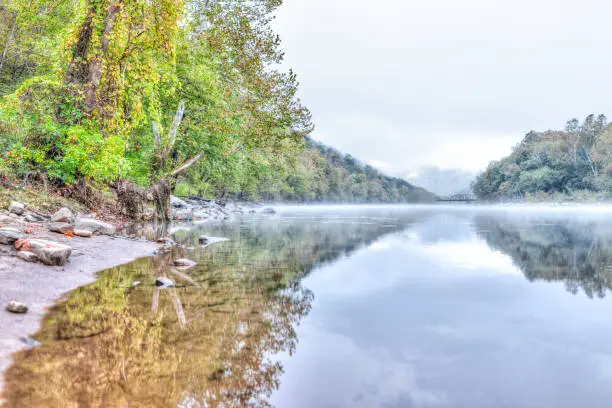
{"points": [[185, 165], [178, 118]]}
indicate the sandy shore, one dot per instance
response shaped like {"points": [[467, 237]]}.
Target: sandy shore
{"points": [[40, 286]]}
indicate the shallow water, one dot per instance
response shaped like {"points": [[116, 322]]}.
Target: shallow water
{"points": [[344, 307]]}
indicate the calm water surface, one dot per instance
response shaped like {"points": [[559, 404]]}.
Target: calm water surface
{"points": [[353, 307]]}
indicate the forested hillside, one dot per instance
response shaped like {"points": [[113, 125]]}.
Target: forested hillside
{"points": [[572, 163]]}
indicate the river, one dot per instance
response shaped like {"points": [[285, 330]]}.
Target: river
{"points": [[415, 306]]}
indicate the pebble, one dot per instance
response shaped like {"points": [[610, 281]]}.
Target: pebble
{"points": [[163, 283], [16, 307]]}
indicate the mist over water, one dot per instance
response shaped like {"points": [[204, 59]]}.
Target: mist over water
{"points": [[345, 306]]}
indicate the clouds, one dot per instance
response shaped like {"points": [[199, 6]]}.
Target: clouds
{"points": [[446, 83]]}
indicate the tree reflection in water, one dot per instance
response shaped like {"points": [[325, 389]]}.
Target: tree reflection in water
{"points": [[575, 251], [111, 344]]}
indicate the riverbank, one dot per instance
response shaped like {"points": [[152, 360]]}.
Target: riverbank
{"points": [[46, 255], [40, 286]]}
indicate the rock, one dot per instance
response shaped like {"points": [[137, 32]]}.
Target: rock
{"points": [[269, 210], [27, 256], [9, 235], [95, 226], [5, 219], [16, 207], [204, 240], [49, 252], [16, 307], [176, 202], [82, 233], [62, 215], [30, 218], [30, 342], [61, 227], [22, 245], [163, 283], [185, 263]]}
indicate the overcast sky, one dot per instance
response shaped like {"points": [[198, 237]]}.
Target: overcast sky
{"points": [[403, 84]]}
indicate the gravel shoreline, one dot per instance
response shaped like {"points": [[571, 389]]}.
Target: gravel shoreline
{"points": [[40, 286]]}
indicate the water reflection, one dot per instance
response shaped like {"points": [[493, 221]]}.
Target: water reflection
{"points": [[577, 252], [112, 344], [406, 308]]}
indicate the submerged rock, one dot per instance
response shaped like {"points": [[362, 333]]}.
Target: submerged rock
{"points": [[163, 283], [62, 215], [176, 202], [61, 227], [30, 342], [49, 252], [16, 307], [27, 256], [16, 207], [9, 235], [95, 226], [185, 263]]}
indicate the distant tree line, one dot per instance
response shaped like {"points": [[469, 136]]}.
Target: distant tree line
{"points": [[576, 161]]}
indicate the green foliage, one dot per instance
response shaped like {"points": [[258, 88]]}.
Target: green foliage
{"points": [[558, 164], [91, 90]]}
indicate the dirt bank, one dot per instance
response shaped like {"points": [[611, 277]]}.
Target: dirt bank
{"points": [[40, 286]]}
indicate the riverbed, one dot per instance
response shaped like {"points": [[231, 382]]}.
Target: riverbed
{"points": [[413, 306]]}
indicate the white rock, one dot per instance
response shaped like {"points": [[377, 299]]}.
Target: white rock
{"points": [[82, 233], [9, 235], [27, 256], [62, 215], [16, 207], [49, 252], [185, 263], [163, 283], [176, 202], [93, 225], [16, 307]]}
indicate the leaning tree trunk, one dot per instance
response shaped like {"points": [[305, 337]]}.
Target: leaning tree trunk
{"points": [[154, 203]]}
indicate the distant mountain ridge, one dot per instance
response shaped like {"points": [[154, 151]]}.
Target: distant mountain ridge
{"points": [[443, 182]]}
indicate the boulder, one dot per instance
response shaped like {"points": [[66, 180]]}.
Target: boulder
{"points": [[82, 233], [62, 215], [269, 210], [27, 256], [95, 226], [9, 235], [185, 263], [16, 207], [49, 252], [60, 227], [30, 218], [16, 307], [163, 283]]}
